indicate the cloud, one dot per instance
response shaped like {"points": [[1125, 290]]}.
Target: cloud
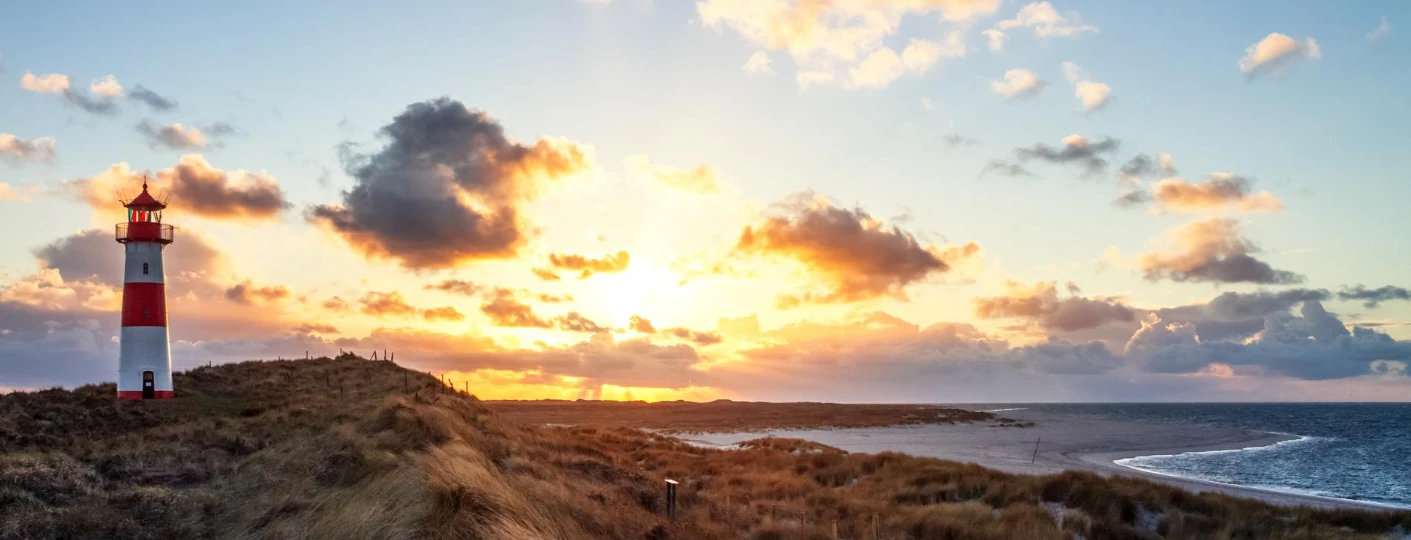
{"points": [[1004, 168], [1045, 22], [611, 263], [1040, 303], [1017, 84], [248, 293], [153, 100], [703, 179], [193, 185], [574, 322], [1076, 149], [825, 36], [1136, 197], [175, 136], [93, 256], [456, 286], [1211, 250], [1092, 95], [1276, 52], [315, 328], [1380, 31], [54, 83], [504, 310], [759, 64], [1220, 191], [384, 304], [699, 338], [1143, 166], [1042, 18], [444, 313], [15, 150], [994, 39], [955, 139], [107, 87], [641, 325], [884, 65], [857, 256], [8, 193], [446, 189], [1313, 346], [1371, 298], [336, 304]]}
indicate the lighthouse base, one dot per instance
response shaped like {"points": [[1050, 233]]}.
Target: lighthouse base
{"points": [[126, 395]]}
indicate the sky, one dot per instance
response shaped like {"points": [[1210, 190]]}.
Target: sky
{"points": [[935, 201]]}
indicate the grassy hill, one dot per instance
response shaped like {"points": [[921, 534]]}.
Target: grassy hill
{"points": [[350, 448]]}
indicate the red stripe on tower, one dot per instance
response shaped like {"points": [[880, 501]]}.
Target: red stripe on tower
{"points": [[144, 304]]}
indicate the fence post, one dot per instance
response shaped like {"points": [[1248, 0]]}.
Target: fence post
{"points": [[1036, 450], [671, 498]]}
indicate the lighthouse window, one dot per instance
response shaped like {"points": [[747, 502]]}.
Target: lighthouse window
{"points": [[144, 269]]}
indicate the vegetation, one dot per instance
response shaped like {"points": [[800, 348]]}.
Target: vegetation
{"points": [[349, 448], [728, 416]]}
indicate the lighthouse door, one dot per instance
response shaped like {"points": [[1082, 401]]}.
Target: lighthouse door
{"points": [[149, 385]]}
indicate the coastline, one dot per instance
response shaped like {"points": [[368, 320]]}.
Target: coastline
{"points": [[1064, 442]]}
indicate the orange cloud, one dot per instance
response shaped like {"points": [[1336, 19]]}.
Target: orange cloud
{"points": [[193, 185], [1211, 250], [585, 266], [1221, 190], [859, 257]]}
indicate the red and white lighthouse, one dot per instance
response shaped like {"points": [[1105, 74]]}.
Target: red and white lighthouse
{"points": [[144, 361]]}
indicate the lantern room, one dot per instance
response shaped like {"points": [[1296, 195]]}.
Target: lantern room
{"points": [[144, 221]]}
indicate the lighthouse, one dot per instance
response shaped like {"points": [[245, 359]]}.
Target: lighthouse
{"points": [[144, 358]]}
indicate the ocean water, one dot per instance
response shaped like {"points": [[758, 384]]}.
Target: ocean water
{"points": [[1356, 451]]}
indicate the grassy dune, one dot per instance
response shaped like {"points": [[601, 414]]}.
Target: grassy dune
{"points": [[348, 448], [728, 416]]}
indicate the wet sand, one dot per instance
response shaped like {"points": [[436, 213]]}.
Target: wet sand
{"points": [[1065, 442]]}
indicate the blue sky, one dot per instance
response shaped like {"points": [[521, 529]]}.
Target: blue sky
{"points": [[632, 77]]}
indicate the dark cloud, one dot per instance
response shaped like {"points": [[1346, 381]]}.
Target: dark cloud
{"points": [[1371, 298], [155, 101], [456, 286], [1040, 303], [15, 150], [584, 266], [182, 137], [94, 255], [1076, 149], [193, 185], [1211, 250], [93, 104], [699, 338], [444, 313], [1315, 346], [383, 304], [955, 139], [859, 257], [574, 322], [1132, 198], [411, 202], [1144, 166], [248, 293], [1004, 168]]}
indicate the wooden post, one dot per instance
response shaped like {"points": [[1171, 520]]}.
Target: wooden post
{"points": [[1036, 450], [671, 498], [835, 529]]}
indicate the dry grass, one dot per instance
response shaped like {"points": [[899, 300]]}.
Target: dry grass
{"points": [[728, 416], [338, 448]]}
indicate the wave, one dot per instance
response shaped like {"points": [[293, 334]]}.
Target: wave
{"points": [[1152, 464]]}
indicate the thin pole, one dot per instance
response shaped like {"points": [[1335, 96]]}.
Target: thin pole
{"points": [[1036, 450]]}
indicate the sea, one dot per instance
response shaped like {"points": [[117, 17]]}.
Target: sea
{"points": [[1353, 451]]}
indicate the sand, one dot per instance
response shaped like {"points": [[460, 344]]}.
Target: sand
{"points": [[1065, 442]]}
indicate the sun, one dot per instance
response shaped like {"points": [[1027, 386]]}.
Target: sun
{"points": [[645, 289]]}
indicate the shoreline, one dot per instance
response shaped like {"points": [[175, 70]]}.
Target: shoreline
{"points": [[1065, 442]]}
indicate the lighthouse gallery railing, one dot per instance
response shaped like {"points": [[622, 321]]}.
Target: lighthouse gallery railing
{"points": [[145, 232]]}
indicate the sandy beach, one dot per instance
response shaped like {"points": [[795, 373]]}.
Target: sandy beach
{"points": [[1065, 442]]}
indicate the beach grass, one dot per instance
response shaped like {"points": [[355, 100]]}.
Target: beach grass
{"points": [[351, 448]]}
